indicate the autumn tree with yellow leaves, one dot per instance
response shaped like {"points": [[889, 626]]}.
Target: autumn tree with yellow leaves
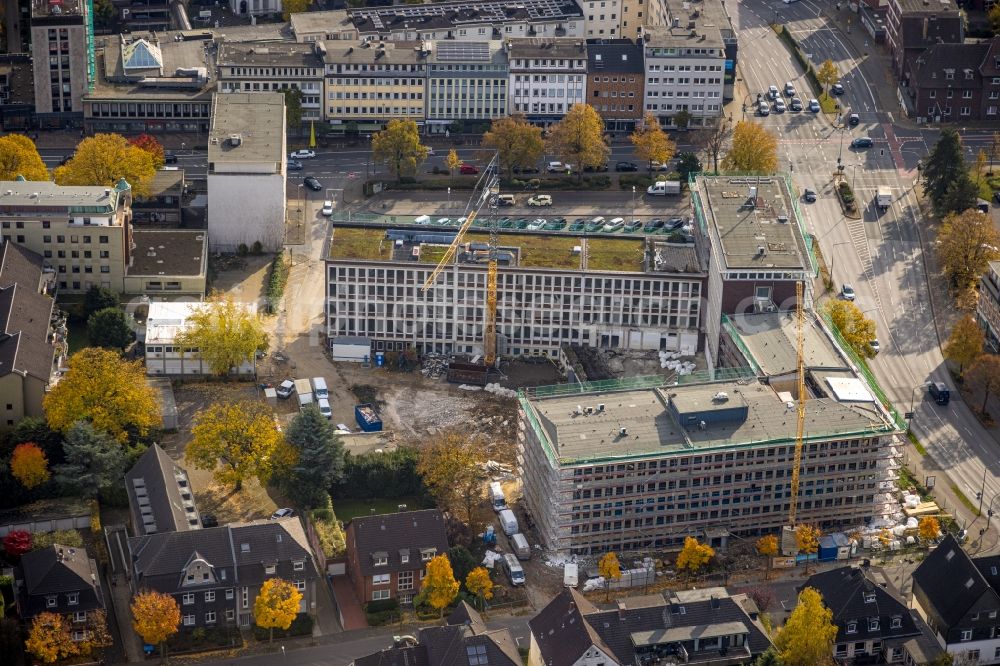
{"points": [[155, 617], [694, 556], [767, 546], [827, 75], [807, 638], [754, 149], [398, 147], [651, 143], [29, 465], [226, 334], [966, 243], [276, 605], [237, 440], [108, 392], [965, 343], [807, 540], [856, 329], [449, 467], [479, 583], [929, 528], [518, 143], [439, 587], [49, 638], [609, 569], [19, 157], [104, 159], [578, 138]]}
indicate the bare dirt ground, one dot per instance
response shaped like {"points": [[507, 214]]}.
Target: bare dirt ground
{"points": [[242, 277]]}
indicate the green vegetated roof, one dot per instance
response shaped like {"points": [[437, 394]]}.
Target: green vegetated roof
{"points": [[614, 254], [364, 244]]}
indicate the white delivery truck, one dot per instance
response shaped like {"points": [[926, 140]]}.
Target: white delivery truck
{"points": [[520, 546], [570, 574], [514, 571], [319, 388], [508, 522], [664, 187], [883, 198], [303, 391], [497, 500]]}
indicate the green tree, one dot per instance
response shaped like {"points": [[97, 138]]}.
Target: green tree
{"points": [[110, 328], [104, 13], [98, 298], [651, 143], [290, 7], [943, 166], [960, 196], [110, 393], [578, 139], [462, 561], [994, 17], [449, 466], [439, 587], [754, 149], [967, 243], [104, 159], [984, 376], [518, 142], [94, 461], [293, 107], [226, 334], [856, 329], [241, 436], [682, 119], [827, 75], [687, 164], [965, 343], [19, 157], [807, 638], [319, 458], [398, 147], [768, 658]]}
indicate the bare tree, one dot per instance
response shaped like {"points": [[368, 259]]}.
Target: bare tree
{"points": [[715, 141]]}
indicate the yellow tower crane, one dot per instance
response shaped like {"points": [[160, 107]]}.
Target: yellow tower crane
{"points": [[484, 194]]}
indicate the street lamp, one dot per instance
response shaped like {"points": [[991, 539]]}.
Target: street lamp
{"points": [[909, 418], [745, 106], [449, 199], [854, 178], [633, 203], [833, 256]]}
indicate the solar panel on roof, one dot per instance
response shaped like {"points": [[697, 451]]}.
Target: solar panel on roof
{"points": [[463, 51]]}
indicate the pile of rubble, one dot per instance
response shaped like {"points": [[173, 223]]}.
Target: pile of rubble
{"points": [[434, 365], [672, 361]]}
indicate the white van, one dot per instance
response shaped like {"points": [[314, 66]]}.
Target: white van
{"points": [[513, 568], [319, 388], [570, 574], [508, 522], [497, 500], [520, 546], [324, 407]]}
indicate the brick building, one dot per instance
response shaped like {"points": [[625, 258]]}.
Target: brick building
{"points": [[615, 82]]}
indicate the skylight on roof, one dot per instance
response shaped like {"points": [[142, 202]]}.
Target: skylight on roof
{"points": [[140, 54]]}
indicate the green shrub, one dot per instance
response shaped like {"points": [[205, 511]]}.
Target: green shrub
{"points": [[302, 625], [330, 533], [381, 605], [627, 180], [242, 249], [257, 248], [276, 282], [70, 538]]}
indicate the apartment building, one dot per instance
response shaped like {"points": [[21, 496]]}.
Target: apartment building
{"points": [[644, 468], [956, 82], [615, 78], [988, 307], [275, 66], [466, 81], [60, 37], [323, 26], [685, 65], [247, 170], [370, 83], [17, 92], [637, 15], [547, 77], [255, 7], [629, 294], [759, 249], [915, 25]]}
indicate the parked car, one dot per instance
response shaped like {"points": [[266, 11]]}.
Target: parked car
{"points": [[763, 108], [294, 165], [324, 407], [653, 226], [876, 348], [674, 223], [789, 89], [282, 513], [303, 154], [526, 169], [772, 92], [853, 119], [658, 166], [814, 105], [169, 158], [312, 184], [837, 89], [996, 196], [327, 208], [506, 200], [600, 168], [779, 106], [809, 196], [861, 142], [285, 389], [540, 200], [632, 226], [468, 170], [626, 166], [847, 292], [555, 167], [795, 105]]}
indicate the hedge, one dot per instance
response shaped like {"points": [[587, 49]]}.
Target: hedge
{"points": [[302, 625], [276, 282], [381, 612]]}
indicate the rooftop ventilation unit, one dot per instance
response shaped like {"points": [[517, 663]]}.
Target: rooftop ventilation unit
{"points": [[235, 139]]}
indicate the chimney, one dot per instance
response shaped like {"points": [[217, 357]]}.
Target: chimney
{"points": [[621, 610], [59, 555]]}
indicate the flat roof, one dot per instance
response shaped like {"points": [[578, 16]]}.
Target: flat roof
{"points": [[259, 120], [55, 8], [678, 634], [168, 318], [168, 252], [336, 20], [547, 47], [352, 52], [474, 12], [649, 418], [752, 233], [771, 339], [46, 195], [162, 82], [291, 54], [928, 6], [849, 389]]}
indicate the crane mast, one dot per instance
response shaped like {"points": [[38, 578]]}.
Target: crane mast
{"points": [[801, 406]]}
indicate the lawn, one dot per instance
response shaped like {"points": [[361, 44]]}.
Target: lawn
{"points": [[369, 244], [76, 336], [347, 508], [606, 254]]}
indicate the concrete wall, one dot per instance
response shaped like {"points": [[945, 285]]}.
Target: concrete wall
{"points": [[246, 207]]}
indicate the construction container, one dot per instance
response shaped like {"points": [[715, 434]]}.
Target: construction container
{"points": [[367, 418], [467, 373], [827, 549], [570, 574]]}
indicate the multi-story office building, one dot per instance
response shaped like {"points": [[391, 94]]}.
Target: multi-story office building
{"points": [[59, 39], [275, 66], [622, 293], [685, 62], [759, 250], [915, 25], [637, 15], [370, 83], [988, 307], [247, 170], [547, 77], [615, 82], [643, 468], [256, 7], [465, 81]]}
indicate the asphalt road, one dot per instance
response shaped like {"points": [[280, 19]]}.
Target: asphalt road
{"points": [[880, 255]]}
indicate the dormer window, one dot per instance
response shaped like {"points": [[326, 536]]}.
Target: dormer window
{"points": [[869, 597], [949, 74], [73, 598], [427, 554], [852, 627], [269, 569], [897, 622], [380, 558], [244, 548], [873, 624], [50, 602], [298, 566], [404, 556]]}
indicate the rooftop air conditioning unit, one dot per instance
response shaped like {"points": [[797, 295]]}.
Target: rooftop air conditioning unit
{"points": [[235, 139], [721, 396]]}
